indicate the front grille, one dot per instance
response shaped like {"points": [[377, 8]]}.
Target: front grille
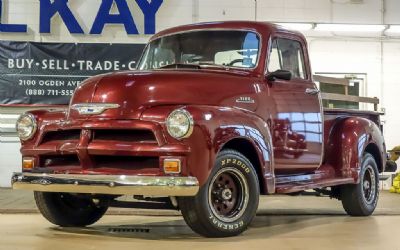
{"points": [[125, 162], [59, 160], [127, 135], [61, 135], [66, 143]]}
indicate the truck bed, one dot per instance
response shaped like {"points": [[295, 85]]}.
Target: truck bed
{"points": [[334, 113]]}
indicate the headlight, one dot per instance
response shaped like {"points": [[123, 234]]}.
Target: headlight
{"points": [[26, 126], [180, 124]]}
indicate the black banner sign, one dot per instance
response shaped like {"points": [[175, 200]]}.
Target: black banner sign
{"points": [[48, 73]]}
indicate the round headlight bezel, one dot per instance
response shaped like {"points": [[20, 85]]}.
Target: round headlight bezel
{"points": [[34, 126], [190, 123]]}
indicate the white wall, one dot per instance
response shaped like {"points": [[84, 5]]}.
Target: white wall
{"points": [[176, 12], [390, 95], [378, 57]]}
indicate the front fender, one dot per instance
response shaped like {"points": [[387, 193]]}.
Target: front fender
{"points": [[348, 140], [214, 127]]}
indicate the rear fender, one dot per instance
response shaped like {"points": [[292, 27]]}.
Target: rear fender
{"points": [[348, 140]]}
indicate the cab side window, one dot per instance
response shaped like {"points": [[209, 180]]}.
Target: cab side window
{"points": [[288, 55], [275, 59]]}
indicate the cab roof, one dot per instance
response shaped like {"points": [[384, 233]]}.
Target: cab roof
{"points": [[262, 28]]}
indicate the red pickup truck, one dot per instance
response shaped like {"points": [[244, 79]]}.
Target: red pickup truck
{"points": [[215, 115]]}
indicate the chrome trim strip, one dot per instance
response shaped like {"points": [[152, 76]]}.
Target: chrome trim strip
{"points": [[107, 184], [93, 108]]}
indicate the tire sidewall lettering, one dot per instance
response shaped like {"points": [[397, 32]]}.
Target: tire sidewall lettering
{"points": [[224, 225], [238, 163]]}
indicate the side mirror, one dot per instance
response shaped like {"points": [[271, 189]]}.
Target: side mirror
{"points": [[279, 74]]}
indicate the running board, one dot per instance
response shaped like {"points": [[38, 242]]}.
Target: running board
{"points": [[285, 187]]}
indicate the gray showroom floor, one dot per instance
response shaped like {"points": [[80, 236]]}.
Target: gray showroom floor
{"points": [[282, 222]]}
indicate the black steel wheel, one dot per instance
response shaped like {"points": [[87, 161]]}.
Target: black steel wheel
{"points": [[369, 188], [228, 194], [228, 202], [68, 210], [361, 199]]}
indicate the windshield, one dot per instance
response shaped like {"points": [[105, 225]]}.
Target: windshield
{"points": [[228, 48]]}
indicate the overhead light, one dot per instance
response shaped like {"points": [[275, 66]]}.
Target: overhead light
{"points": [[350, 27], [393, 29], [296, 26]]}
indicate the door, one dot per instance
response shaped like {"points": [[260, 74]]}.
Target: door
{"points": [[295, 111]]}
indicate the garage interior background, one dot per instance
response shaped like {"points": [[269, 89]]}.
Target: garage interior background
{"points": [[373, 56]]}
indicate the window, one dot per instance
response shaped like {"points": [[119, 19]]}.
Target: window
{"points": [[274, 58], [288, 55], [227, 48]]}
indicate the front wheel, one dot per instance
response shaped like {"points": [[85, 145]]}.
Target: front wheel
{"points": [[227, 202], [68, 210], [361, 199]]}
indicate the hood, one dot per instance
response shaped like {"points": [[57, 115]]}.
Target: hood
{"points": [[133, 92]]}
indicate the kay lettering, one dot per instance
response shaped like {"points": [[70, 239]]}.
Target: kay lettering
{"points": [[61, 8]]}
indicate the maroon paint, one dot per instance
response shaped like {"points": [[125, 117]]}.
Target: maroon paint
{"points": [[147, 97]]}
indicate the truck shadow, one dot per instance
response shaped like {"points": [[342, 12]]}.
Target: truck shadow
{"points": [[175, 229]]}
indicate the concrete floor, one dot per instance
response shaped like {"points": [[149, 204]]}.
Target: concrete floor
{"points": [[281, 223]]}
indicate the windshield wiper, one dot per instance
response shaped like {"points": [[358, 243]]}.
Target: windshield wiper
{"points": [[180, 66], [213, 65], [198, 65]]}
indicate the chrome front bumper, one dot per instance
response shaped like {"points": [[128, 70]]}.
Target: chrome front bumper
{"points": [[107, 184]]}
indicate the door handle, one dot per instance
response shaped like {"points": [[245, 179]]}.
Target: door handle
{"points": [[312, 91]]}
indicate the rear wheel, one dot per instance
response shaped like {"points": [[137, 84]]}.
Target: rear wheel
{"points": [[68, 210], [227, 202], [361, 199]]}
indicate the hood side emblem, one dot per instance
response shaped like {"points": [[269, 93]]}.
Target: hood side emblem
{"points": [[93, 108], [245, 99]]}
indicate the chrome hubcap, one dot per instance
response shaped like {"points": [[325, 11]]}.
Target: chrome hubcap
{"points": [[226, 194], [366, 185]]}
